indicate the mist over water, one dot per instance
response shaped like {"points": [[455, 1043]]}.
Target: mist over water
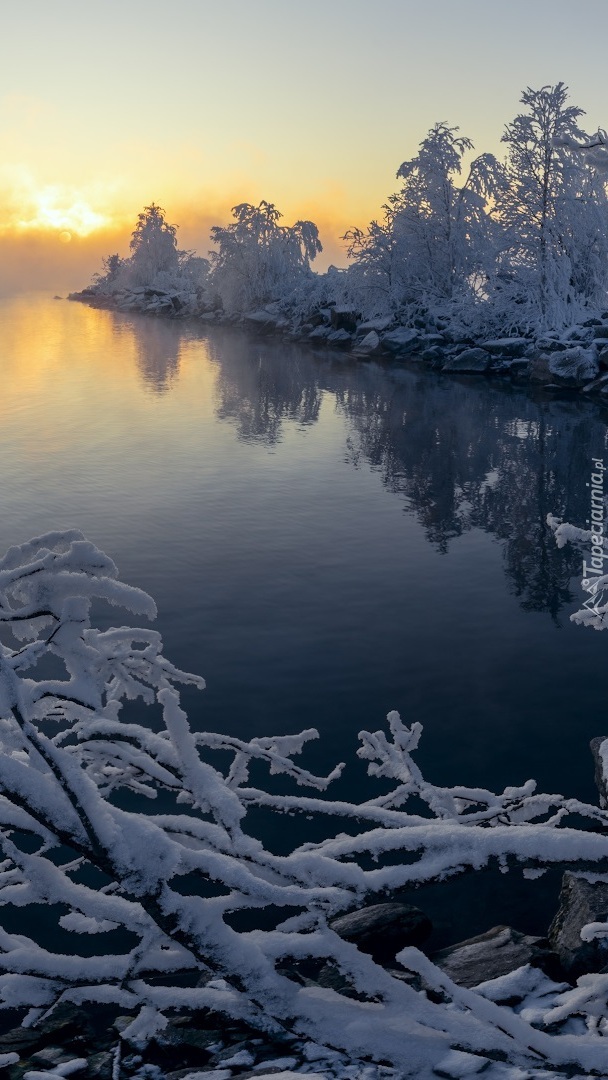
{"points": [[326, 540]]}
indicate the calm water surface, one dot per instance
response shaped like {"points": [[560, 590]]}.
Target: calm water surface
{"points": [[326, 541]]}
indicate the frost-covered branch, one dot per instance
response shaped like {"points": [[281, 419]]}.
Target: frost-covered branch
{"points": [[77, 833]]}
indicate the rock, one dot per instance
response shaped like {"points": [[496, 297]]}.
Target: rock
{"points": [[600, 330], [99, 1066], [384, 929], [260, 320], [469, 360], [435, 356], [580, 903], [573, 366], [427, 341], [487, 956], [518, 369], [458, 1063], [401, 342], [332, 978], [369, 345], [603, 357], [319, 333], [551, 344], [599, 749], [597, 388], [539, 369], [341, 338], [513, 346], [374, 324], [343, 319]]}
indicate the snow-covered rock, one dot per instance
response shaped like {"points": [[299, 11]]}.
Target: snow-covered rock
{"points": [[458, 1064], [507, 346], [260, 320], [469, 360], [370, 344], [551, 343], [384, 929], [402, 341], [576, 365], [374, 324], [497, 952], [341, 338]]}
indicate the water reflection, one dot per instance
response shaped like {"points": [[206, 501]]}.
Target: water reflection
{"points": [[260, 387], [157, 349], [463, 456]]}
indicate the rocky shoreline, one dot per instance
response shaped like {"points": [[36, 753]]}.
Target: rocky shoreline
{"points": [[94, 1041], [573, 360]]}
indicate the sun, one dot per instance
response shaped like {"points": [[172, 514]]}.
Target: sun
{"points": [[63, 211]]}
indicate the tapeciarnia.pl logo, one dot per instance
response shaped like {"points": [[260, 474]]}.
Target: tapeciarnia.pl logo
{"points": [[594, 572]]}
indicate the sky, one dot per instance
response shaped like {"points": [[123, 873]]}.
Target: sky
{"points": [[198, 105]]}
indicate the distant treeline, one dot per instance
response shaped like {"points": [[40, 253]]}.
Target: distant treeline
{"points": [[517, 245]]}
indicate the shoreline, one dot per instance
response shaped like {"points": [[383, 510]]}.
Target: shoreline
{"points": [[574, 360]]}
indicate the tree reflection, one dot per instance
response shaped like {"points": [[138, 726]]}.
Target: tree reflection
{"points": [[468, 456], [483, 456], [260, 386], [157, 344]]}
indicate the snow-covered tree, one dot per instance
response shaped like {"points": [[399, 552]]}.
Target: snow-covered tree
{"points": [[153, 245], [156, 265], [553, 212], [174, 879], [436, 239], [259, 261]]}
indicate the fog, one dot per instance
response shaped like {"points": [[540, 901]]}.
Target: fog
{"points": [[62, 262]]}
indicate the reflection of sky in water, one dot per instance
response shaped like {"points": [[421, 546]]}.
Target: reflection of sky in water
{"points": [[325, 540]]}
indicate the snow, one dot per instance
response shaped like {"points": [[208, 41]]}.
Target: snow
{"points": [[57, 788]]}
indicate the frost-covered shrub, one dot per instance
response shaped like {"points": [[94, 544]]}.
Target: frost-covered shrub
{"points": [[156, 264], [435, 243], [174, 879], [553, 214], [259, 261]]}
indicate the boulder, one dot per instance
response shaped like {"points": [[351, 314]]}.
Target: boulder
{"points": [[319, 333], [401, 342], [599, 749], [551, 344], [343, 319], [384, 929], [600, 330], [374, 324], [487, 956], [435, 356], [458, 1064], [469, 360], [597, 388], [581, 902], [428, 340], [513, 346], [262, 321], [603, 357], [574, 366], [370, 344], [539, 369], [341, 338]]}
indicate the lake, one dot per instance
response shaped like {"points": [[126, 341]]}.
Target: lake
{"points": [[326, 540]]}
